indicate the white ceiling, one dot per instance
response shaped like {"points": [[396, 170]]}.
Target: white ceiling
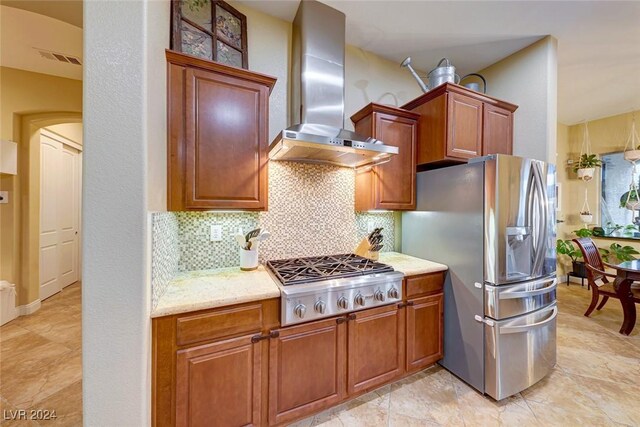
{"points": [[598, 41], [23, 34], [69, 11]]}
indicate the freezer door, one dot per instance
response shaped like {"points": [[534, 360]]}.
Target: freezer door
{"points": [[519, 219], [503, 302], [519, 352]]}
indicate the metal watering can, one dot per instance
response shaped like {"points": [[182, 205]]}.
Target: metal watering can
{"points": [[442, 74], [437, 76]]}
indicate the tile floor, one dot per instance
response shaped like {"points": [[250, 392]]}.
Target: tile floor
{"points": [[41, 361], [596, 382]]}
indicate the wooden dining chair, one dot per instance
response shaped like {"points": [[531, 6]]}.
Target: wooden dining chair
{"points": [[596, 271]]}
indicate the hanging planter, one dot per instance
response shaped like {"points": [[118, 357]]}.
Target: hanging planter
{"points": [[587, 163], [632, 155], [630, 200], [586, 217], [586, 166]]}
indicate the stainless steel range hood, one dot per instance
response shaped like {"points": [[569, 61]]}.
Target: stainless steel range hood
{"points": [[317, 103]]}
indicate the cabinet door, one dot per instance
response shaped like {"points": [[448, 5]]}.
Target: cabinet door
{"points": [[424, 331], [219, 384], [226, 142], [497, 132], [306, 369], [464, 136], [396, 179], [376, 347]]}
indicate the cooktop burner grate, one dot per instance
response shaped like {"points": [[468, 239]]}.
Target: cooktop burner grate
{"points": [[314, 269]]}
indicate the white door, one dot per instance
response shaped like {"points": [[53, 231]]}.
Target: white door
{"points": [[59, 214]]}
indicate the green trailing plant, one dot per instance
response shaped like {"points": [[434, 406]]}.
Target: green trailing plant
{"points": [[566, 247], [612, 228], [619, 253], [587, 161], [583, 232], [195, 5]]}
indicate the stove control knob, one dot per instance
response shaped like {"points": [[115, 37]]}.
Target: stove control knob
{"points": [[300, 310], [359, 299], [379, 296], [393, 293], [320, 307], [343, 303]]}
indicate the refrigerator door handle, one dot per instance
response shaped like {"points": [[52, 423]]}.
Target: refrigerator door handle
{"points": [[526, 328], [542, 218], [532, 293]]}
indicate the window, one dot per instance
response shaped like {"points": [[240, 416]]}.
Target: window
{"points": [[617, 221]]}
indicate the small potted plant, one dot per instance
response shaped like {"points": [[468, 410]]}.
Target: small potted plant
{"points": [[586, 166], [566, 248], [586, 217], [632, 155]]}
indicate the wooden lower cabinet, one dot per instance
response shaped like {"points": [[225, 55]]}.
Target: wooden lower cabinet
{"points": [[424, 331], [307, 368], [219, 384], [376, 347]]}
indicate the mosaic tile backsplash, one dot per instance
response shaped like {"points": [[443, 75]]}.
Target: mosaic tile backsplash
{"points": [[165, 252], [310, 213]]}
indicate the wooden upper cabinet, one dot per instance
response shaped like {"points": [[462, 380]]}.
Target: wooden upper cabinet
{"points": [[498, 131], [464, 126], [219, 384], [307, 369], [391, 185], [218, 135], [376, 347], [457, 124]]}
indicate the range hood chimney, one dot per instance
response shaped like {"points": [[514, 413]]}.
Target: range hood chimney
{"points": [[317, 104]]}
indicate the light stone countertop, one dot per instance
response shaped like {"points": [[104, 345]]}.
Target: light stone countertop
{"points": [[199, 290], [410, 265]]}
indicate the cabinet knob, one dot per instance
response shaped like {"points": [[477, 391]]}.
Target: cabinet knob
{"points": [[300, 310], [320, 307], [359, 299], [379, 296], [393, 293], [343, 303]]}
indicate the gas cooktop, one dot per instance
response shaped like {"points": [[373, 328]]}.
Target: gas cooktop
{"points": [[317, 287], [314, 269]]}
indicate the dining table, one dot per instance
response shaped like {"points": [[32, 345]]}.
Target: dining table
{"points": [[627, 273]]}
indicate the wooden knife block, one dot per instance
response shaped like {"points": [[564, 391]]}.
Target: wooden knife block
{"points": [[364, 250]]}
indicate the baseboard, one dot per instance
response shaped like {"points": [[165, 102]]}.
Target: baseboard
{"points": [[32, 307]]}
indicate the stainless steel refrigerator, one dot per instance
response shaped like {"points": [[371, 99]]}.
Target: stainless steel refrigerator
{"points": [[492, 221]]}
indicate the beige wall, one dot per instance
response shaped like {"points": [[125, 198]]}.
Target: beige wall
{"points": [[606, 135], [71, 131], [52, 100], [528, 78]]}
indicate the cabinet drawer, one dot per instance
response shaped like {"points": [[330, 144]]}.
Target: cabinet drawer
{"points": [[420, 285], [218, 324]]}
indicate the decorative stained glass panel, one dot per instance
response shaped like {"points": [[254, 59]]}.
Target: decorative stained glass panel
{"points": [[228, 55], [196, 42], [228, 28], [198, 12]]}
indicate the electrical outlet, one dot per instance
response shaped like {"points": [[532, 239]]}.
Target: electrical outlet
{"points": [[370, 226], [216, 233], [4, 197]]}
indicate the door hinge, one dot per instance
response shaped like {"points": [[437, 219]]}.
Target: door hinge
{"points": [[272, 334]]}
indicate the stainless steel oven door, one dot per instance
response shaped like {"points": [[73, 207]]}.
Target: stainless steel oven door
{"points": [[519, 352], [503, 302]]}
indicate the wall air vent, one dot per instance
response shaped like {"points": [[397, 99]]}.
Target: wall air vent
{"points": [[60, 57]]}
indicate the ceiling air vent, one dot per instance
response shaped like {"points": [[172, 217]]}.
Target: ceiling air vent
{"points": [[55, 56]]}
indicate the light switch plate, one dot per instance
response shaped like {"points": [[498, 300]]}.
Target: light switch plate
{"points": [[216, 233], [4, 197]]}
